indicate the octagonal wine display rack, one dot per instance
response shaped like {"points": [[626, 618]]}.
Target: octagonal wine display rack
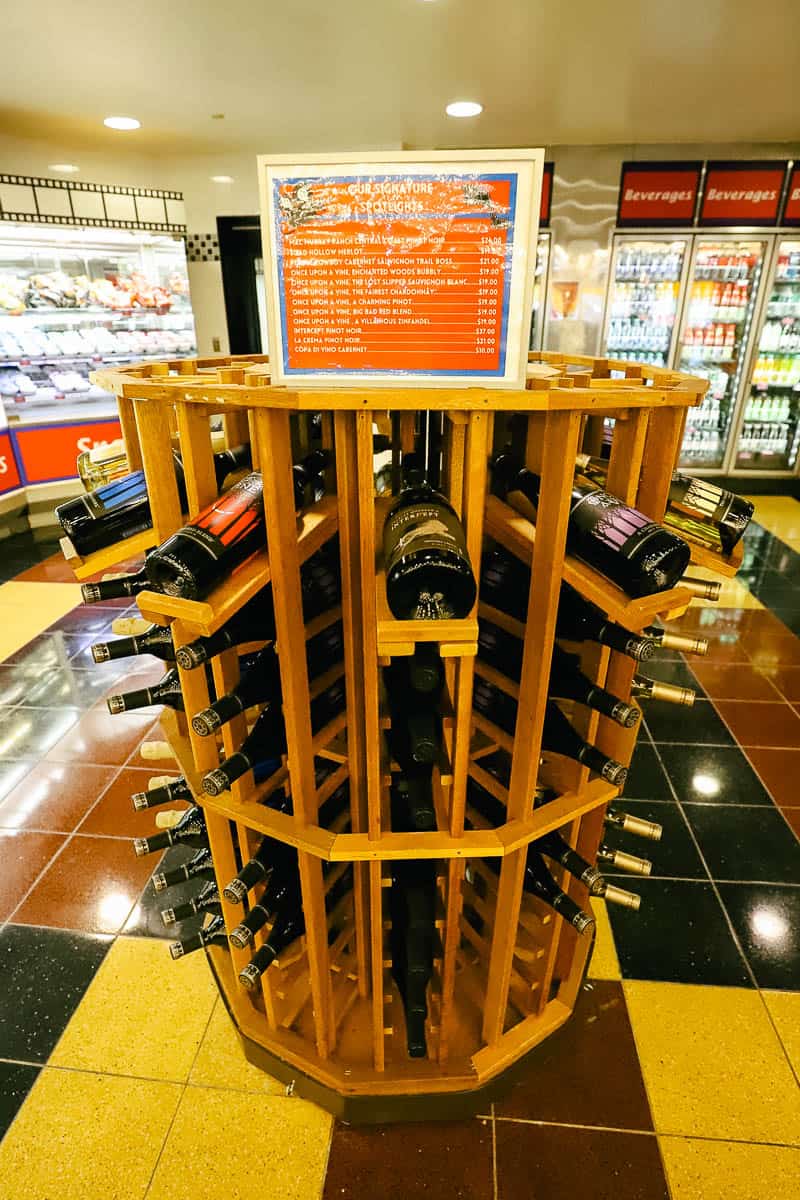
{"points": [[507, 970]]}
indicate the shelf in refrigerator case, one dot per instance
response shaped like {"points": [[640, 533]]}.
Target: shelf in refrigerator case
{"points": [[518, 535], [316, 526]]}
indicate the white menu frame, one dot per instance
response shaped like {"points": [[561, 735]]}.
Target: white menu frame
{"points": [[526, 165]]}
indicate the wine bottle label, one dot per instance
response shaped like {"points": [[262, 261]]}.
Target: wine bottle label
{"points": [[603, 518], [131, 489], [424, 526], [698, 498]]}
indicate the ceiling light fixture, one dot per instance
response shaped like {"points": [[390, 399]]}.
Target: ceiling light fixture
{"points": [[122, 123], [63, 168], [222, 179], [464, 108]]}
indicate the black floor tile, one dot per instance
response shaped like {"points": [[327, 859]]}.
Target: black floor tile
{"points": [[31, 732], [646, 779], [669, 670], [145, 919], [698, 725], [16, 1080], [767, 922], [674, 856], [748, 844], [45, 973], [679, 935], [713, 775]]}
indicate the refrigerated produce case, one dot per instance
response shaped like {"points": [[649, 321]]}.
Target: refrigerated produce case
{"points": [[722, 298], [643, 303], [541, 291], [769, 425]]}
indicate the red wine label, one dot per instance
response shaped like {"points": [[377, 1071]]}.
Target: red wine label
{"points": [[424, 526]]}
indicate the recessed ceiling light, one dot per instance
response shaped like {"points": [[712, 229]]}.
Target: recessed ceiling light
{"points": [[63, 168], [464, 108], [122, 123], [222, 179]]}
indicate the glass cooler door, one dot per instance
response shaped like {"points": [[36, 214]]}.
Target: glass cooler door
{"points": [[770, 424], [645, 288], [717, 324]]}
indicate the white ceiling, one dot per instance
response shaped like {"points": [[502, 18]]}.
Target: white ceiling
{"points": [[314, 75]]}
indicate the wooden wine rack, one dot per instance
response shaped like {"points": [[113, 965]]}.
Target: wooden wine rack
{"points": [[507, 970]]}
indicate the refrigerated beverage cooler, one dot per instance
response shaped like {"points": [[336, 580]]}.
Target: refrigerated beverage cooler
{"points": [[647, 277], [541, 280], [769, 425]]}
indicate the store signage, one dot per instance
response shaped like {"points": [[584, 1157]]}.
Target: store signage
{"points": [[742, 193], [47, 453], [9, 472], [658, 193], [412, 266], [547, 195], [791, 210]]}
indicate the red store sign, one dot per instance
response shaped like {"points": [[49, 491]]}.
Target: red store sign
{"points": [[47, 453], [658, 193], [547, 195], [9, 472], [742, 193], [791, 212]]}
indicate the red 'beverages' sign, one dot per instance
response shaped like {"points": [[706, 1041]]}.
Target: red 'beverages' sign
{"points": [[547, 195], [742, 193], [791, 211], [658, 193]]}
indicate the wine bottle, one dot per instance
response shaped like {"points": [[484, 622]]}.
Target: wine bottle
{"points": [[635, 553], [212, 935], [704, 589], [177, 789], [412, 802], [206, 900], [192, 561], [413, 914], [539, 882], [156, 641], [255, 871], [616, 895], [676, 641], [289, 924], [634, 825], [624, 862], [567, 682], [696, 508], [190, 831], [505, 583], [116, 587], [283, 889], [554, 846], [167, 691], [558, 736], [200, 866], [652, 689], [428, 571], [122, 508], [267, 738]]}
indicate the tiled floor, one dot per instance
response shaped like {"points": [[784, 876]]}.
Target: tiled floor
{"points": [[120, 1074]]}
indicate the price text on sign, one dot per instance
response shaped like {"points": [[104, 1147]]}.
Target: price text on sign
{"points": [[49, 452], [387, 274]]}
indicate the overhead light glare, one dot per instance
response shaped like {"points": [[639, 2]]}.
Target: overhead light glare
{"points": [[222, 179], [122, 123], [63, 168], [464, 108]]}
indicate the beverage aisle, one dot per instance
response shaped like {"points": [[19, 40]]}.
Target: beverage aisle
{"points": [[675, 1076]]}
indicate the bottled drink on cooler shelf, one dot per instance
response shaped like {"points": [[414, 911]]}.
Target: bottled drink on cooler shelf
{"points": [[156, 641], [200, 866], [206, 900], [635, 553], [212, 935], [122, 508], [428, 571], [190, 831]]}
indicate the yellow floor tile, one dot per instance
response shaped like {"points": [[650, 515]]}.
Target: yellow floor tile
{"points": [[28, 608], [604, 964], [705, 1170], [733, 594], [80, 1136], [784, 1008], [225, 1146], [779, 514], [221, 1062], [142, 1015], [712, 1063]]}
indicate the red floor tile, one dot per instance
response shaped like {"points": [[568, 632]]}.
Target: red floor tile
{"points": [[787, 681], [113, 814], [92, 886], [101, 738], [767, 724], [24, 856], [733, 681], [54, 797], [792, 815], [780, 773], [53, 570]]}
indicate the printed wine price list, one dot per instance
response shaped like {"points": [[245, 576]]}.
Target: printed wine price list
{"points": [[396, 273]]}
